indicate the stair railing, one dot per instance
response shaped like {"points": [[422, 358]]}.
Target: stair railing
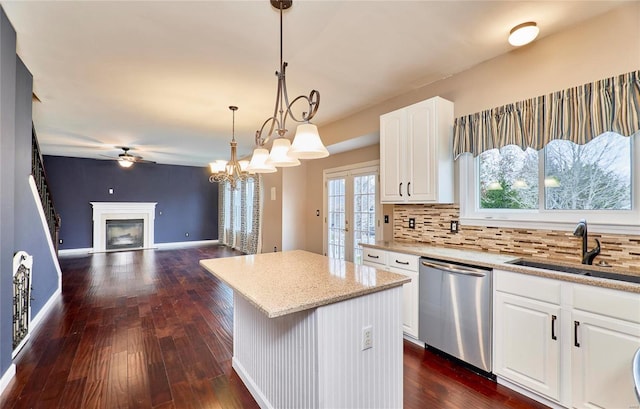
{"points": [[40, 177]]}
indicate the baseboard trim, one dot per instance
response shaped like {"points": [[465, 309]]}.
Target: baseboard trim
{"points": [[156, 246], [180, 244], [526, 392], [7, 377], [74, 252], [257, 394], [35, 322]]}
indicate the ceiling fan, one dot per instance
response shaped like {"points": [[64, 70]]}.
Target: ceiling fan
{"points": [[125, 159]]}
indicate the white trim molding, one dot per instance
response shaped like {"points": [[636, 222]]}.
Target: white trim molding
{"points": [[7, 377], [45, 228], [35, 322], [181, 244], [103, 211], [157, 246]]}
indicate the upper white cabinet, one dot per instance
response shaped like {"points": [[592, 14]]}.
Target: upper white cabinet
{"points": [[416, 153]]}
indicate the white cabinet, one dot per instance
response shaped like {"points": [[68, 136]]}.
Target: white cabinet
{"points": [[522, 324], [416, 154], [602, 346], [569, 343], [407, 265]]}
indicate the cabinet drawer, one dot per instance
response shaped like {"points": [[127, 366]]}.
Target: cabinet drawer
{"points": [[604, 301], [403, 261], [536, 288], [375, 256]]}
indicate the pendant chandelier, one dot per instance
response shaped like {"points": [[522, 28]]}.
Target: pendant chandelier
{"points": [[234, 170], [306, 143]]}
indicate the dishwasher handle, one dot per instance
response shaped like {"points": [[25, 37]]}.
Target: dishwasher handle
{"points": [[456, 269]]}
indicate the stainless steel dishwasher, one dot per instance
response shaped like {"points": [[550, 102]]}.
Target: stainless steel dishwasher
{"points": [[455, 310]]}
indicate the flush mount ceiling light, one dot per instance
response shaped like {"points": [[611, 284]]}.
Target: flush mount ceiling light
{"points": [[523, 33], [234, 170], [306, 143]]}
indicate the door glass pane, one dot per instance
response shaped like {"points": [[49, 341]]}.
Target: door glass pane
{"points": [[364, 228], [336, 218]]}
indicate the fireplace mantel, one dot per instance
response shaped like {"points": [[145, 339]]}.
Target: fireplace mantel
{"points": [[103, 211]]}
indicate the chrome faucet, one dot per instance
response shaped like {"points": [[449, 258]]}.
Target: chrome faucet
{"points": [[581, 231]]}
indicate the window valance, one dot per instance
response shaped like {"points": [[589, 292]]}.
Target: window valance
{"points": [[577, 114]]}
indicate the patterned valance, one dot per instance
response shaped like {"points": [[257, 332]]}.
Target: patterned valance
{"points": [[577, 114]]}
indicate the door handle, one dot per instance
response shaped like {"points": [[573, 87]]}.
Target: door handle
{"points": [[469, 271], [400, 189], [553, 327], [408, 187], [576, 324]]}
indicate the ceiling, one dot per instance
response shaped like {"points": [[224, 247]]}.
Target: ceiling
{"points": [[159, 75]]}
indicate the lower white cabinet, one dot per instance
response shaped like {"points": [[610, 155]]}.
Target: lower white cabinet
{"points": [[605, 336], [406, 265], [569, 343], [527, 348]]}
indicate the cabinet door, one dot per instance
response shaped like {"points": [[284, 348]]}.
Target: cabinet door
{"points": [[392, 162], [409, 302], [601, 364], [527, 343], [422, 153]]}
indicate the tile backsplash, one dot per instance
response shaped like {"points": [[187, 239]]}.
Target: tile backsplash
{"points": [[432, 227]]}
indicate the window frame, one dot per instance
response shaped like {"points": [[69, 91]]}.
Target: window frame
{"points": [[600, 221]]}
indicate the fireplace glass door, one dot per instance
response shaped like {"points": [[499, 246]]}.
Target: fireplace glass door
{"points": [[125, 234]]}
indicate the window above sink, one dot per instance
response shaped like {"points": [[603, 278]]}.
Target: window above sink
{"points": [[553, 187]]}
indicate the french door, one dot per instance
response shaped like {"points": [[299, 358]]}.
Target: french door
{"points": [[352, 210]]}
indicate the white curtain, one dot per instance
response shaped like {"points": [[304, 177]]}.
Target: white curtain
{"points": [[240, 215]]}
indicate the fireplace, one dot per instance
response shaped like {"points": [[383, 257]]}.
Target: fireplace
{"points": [[124, 234], [123, 226]]}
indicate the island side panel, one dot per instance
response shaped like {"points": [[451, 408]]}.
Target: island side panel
{"points": [[349, 376], [277, 358]]}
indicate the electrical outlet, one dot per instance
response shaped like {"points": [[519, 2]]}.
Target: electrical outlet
{"points": [[367, 337], [317, 212], [186, 234], [386, 218], [454, 226], [412, 223], [60, 241], [110, 191]]}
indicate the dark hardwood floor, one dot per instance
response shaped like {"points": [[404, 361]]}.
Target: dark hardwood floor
{"points": [[151, 329]]}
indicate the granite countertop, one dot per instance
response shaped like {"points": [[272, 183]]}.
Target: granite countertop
{"points": [[291, 281], [500, 261]]}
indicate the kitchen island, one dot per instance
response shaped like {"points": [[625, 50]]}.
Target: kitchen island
{"points": [[315, 332]]}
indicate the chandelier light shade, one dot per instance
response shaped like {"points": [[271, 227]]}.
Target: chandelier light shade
{"points": [[309, 147], [523, 33], [280, 155], [307, 143], [234, 170], [259, 163]]}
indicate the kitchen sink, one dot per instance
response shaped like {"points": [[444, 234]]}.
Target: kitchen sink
{"points": [[576, 270]]}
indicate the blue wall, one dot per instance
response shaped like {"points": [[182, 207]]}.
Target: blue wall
{"points": [[21, 226], [7, 183], [187, 202], [30, 233]]}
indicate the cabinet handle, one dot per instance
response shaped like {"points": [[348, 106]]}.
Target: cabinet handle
{"points": [[553, 327], [369, 255], [400, 189], [576, 324], [406, 263], [408, 186]]}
